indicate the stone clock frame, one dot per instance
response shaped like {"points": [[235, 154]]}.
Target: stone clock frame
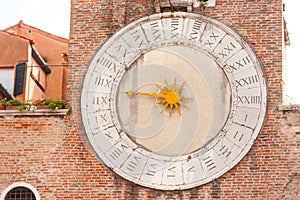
{"points": [[141, 166]]}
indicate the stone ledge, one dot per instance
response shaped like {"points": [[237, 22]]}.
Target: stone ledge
{"points": [[41, 112], [296, 129], [188, 4], [289, 108]]}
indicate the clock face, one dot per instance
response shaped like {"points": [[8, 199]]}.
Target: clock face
{"points": [[173, 101]]}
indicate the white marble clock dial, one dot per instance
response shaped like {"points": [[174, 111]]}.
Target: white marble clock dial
{"points": [[173, 100]]}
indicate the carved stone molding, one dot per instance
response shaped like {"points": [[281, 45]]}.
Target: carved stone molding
{"points": [[179, 5]]}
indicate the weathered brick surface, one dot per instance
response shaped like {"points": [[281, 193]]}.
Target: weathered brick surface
{"points": [[53, 154]]}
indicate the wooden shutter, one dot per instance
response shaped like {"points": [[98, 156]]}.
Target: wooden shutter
{"points": [[19, 79]]}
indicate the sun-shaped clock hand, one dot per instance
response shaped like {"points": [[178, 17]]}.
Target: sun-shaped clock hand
{"points": [[169, 97]]}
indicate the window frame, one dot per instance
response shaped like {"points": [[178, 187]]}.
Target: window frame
{"points": [[20, 184]]}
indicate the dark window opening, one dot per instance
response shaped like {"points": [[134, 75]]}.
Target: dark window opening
{"points": [[20, 193]]}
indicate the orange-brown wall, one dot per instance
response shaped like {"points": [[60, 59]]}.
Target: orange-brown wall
{"points": [[14, 49], [17, 49], [51, 48]]}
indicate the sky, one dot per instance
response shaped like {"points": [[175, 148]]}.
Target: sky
{"points": [[292, 16], [53, 16]]}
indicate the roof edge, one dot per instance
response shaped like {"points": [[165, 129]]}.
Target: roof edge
{"points": [[20, 36], [21, 24]]}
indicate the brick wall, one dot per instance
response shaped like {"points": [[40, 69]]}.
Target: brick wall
{"points": [[53, 154]]}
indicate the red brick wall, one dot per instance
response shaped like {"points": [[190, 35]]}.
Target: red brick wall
{"points": [[53, 154]]}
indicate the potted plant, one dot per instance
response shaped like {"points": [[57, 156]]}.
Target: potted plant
{"points": [[2, 104], [14, 104], [41, 104], [49, 104], [56, 104]]}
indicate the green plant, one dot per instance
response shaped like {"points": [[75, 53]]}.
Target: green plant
{"points": [[55, 104], [28, 105], [47, 102], [3, 102], [41, 102], [38, 102], [21, 105], [14, 102], [203, 3]]}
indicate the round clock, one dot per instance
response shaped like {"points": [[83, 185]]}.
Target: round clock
{"points": [[173, 100]]}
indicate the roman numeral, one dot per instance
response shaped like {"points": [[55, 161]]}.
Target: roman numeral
{"points": [[116, 154], [118, 48], [103, 100], [96, 100], [238, 64], [121, 49], [133, 163], [209, 163], [227, 50], [105, 62], [208, 43], [246, 117], [230, 47], [104, 82], [191, 169], [103, 117], [137, 38], [108, 134], [247, 81], [249, 99], [155, 31], [222, 54], [244, 61], [154, 25], [135, 35], [238, 136], [195, 30], [174, 28], [213, 35], [171, 172], [224, 151], [212, 39], [112, 67], [151, 170]]}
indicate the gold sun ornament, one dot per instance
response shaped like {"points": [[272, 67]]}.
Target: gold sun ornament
{"points": [[170, 97]]}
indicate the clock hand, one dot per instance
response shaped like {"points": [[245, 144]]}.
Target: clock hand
{"points": [[130, 93], [170, 97]]}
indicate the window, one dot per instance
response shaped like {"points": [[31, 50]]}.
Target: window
{"points": [[20, 193], [7, 78]]}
